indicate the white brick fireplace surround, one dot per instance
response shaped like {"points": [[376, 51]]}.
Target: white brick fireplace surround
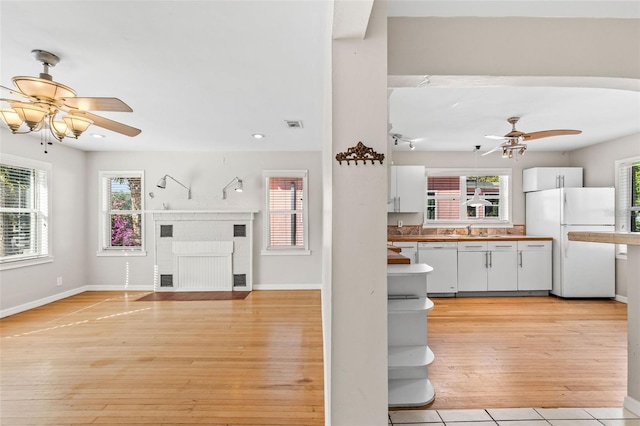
{"points": [[203, 250]]}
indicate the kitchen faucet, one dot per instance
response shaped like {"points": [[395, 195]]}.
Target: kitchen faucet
{"points": [[468, 229]]}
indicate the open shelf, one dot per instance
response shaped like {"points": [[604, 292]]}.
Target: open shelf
{"points": [[410, 392], [410, 356], [399, 305]]}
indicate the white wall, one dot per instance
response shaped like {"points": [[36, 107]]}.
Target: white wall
{"points": [[31, 286], [206, 173], [458, 159]]}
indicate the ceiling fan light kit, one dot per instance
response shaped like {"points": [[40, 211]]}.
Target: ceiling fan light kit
{"points": [[42, 99]]}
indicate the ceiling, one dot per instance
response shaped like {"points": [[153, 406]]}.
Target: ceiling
{"points": [[206, 75]]}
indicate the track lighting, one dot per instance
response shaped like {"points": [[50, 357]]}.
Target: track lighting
{"points": [[162, 184], [238, 186]]}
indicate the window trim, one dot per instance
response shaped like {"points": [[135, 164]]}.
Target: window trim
{"points": [[483, 222], [104, 222], [13, 160], [621, 249], [288, 250]]}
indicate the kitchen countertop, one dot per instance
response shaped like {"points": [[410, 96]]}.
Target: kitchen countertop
{"points": [[458, 238], [606, 237]]}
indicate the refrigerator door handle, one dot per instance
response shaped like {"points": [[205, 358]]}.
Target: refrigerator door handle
{"points": [[566, 244]]}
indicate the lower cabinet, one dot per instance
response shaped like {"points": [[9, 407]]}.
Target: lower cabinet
{"points": [[409, 352], [534, 265], [487, 266]]}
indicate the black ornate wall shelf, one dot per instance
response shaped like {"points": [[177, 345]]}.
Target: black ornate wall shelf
{"points": [[359, 152]]}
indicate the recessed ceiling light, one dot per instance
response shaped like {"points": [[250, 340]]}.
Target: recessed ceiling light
{"points": [[98, 136], [258, 135]]}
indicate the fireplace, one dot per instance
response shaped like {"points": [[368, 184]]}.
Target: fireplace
{"points": [[203, 250]]}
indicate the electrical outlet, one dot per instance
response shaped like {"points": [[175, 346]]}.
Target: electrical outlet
{"points": [[59, 281]]}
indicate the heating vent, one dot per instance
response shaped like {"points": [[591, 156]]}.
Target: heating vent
{"points": [[239, 230], [293, 124], [239, 280], [166, 280], [166, 231]]}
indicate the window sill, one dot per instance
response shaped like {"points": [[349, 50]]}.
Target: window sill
{"points": [[465, 224], [285, 252], [24, 263], [121, 253]]}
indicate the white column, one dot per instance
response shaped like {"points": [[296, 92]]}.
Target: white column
{"points": [[358, 370], [632, 401]]}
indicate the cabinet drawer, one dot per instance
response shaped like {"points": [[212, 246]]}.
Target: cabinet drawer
{"points": [[473, 246], [435, 246], [503, 245], [534, 245]]}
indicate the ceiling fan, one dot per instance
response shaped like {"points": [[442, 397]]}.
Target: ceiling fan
{"points": [[44, 103], [515, 139]]}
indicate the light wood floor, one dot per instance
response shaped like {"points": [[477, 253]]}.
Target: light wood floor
{"points": [[528, 352], [104, 358]]}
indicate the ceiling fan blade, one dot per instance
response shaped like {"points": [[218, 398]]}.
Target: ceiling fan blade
{"points": [[13, 92], [492, 150], [105, 123], [549, 133], [496, 137], [97, 104]]}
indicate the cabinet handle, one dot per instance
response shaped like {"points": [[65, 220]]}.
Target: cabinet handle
{"points": [[520, 258], [398, 205], [467, 246], [561, 181], [490, 260], [557, 181], [509, 246], [486, 259], [535, 245]]}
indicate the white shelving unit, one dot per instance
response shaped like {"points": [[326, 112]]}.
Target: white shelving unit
{"points": [[409, 352]]}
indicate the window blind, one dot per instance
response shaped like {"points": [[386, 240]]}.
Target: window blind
{"points": [[24, 212]]}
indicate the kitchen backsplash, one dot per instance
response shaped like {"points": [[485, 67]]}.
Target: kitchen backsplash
{"points": [[419, 230]]}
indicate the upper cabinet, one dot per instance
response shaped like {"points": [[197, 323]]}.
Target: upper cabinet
{"points": [[541, 178], [407, 190]]}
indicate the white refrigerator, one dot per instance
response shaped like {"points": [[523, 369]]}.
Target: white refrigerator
{"points": [[580, 269]]}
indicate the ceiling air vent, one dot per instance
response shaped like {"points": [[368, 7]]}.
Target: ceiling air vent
{"points": [[293, 124]]}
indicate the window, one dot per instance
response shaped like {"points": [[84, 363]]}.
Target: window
{"points": [[286, 212], [448, 189], [24, 209], [121, 213], [628, 194]]}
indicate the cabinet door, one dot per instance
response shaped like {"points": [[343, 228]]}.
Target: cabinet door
{"points": [[472, 270], [393, 196], [503, 271], [411, 186], [571, 177], [534, 270]]}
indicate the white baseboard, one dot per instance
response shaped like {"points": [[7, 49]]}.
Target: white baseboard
{"points": [[119, 288], [40, 302], [632, 405], [287, 286], [621, 299]]}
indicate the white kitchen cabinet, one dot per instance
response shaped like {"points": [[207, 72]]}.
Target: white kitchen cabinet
{"points": [[409, 353], [534, 265], [443, 257], [487, 266], [541, 178], [407, 249], [502, 273], [473, 261], [407, 189]]}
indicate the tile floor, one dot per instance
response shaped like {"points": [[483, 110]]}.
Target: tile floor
{"points": [[608, 416]]}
